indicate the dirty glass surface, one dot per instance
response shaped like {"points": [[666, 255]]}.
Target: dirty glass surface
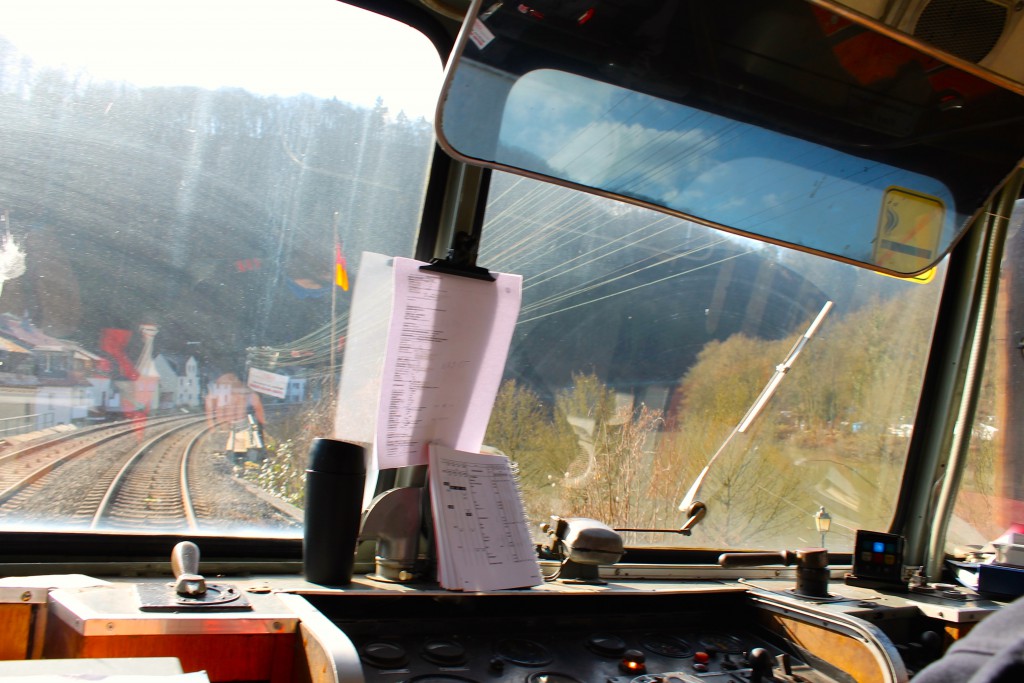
{"points": [[183, 233], [185, 195], [991, 498], [644, 340]]}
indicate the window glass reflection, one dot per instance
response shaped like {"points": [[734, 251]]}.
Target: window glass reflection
{"points": [[644, 340], [187, 193], [991, 496]]}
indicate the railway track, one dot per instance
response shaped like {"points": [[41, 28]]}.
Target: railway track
{"points": [[151, 488], [23, 467], [174, 480]]}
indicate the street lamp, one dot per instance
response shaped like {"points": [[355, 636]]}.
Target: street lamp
{"points": [[823, 522]]}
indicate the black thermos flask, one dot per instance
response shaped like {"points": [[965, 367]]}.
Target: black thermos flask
{"points": [[334, 502]]}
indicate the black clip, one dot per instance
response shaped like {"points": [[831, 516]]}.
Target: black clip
{"points": [[460, 260]]}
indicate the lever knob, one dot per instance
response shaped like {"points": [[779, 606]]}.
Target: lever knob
{"points": [[783, 557], [760, 665], [185, 565], [811, 567], [812, 573]]}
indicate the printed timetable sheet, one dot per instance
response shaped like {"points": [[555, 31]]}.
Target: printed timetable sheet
{"points": [[447, 344], [483, 542]]}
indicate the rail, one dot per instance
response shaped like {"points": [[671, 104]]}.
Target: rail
{"points": [[22, 424]]}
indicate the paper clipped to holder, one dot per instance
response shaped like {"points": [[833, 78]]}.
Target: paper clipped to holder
{"points": [[447, 344], [483, 541]]}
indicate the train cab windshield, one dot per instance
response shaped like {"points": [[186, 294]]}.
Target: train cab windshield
{"points": [[190, 194], [183, 215], [769, 261]]}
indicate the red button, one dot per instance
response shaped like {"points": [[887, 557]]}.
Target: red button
{"points": [[633, 662], [701, 657]]}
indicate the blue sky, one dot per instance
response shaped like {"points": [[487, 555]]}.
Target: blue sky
{"points": [[736, 174]]}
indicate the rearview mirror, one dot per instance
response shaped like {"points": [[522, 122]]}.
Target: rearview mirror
{"points": [[777, 120]]}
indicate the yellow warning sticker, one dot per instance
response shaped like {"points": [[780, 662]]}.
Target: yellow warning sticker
{"points": [[909, 229], [920, 279]]}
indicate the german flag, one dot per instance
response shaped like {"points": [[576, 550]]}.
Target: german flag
{"points": [[340, 271]]}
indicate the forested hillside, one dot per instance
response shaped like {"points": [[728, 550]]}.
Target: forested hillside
{"points": [[154, 193], [592, 453]]}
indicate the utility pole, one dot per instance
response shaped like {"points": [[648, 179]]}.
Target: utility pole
{"points": [[334, 302]]}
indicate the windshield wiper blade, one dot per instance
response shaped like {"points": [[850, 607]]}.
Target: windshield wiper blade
{"points": [[695, 509]]}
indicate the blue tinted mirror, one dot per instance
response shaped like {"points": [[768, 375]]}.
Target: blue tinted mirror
{"points": [[785, 123]]}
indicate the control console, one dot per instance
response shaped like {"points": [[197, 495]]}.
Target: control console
{"points": [[546, 638]]}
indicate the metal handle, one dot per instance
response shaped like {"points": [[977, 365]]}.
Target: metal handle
{"points": [[185, 565], [783, 557], [811, 567]]}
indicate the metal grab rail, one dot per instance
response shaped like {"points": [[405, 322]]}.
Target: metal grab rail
{"points": [[26, 423]]}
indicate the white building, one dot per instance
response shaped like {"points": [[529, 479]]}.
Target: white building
{"points": [[296, 390], [179, 381], [188, 384], [65, 401]]}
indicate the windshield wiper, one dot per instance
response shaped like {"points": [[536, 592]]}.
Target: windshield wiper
{"points": [[695, 509]]}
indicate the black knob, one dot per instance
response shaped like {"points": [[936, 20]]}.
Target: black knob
{"points": [[606, 644], [385, 655], [812, 573], [931, 643], [444, 652], [760, 665]]}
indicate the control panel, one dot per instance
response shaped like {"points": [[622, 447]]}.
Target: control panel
{"points": [[879, 557], [566, 639]]}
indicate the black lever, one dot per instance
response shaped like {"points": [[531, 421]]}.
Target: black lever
{"points": [[760, 665], [811, 567]]}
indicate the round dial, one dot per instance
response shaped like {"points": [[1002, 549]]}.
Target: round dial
{"points": [[384, 655], [666, 645], [551, 677], [673, 677], [444, 652], [721, 642], [523, 652], [606, 644]]}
